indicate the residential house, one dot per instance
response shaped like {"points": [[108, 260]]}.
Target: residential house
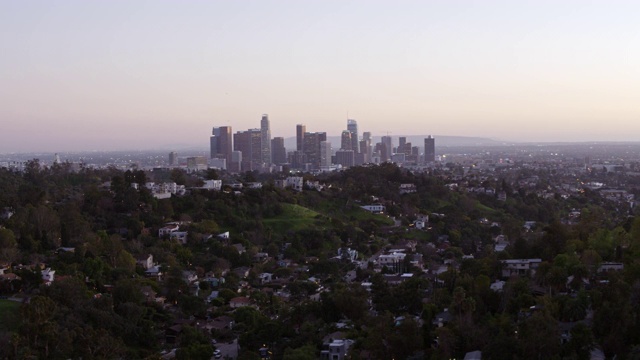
{"points": [[179, 236], [167, 230], [189, 276], [442, 318], [48, 276], [145, 261], [473, 355], [215, 185], [294, 182], [335, 346], [154, 272], [242, 271], [520, 267], [374, 208], [148, 293], [240, 248], [265, 278], [407, 188], [610, 266], [254, 185], [497, 286], [223, 323], [260, 257], [239, 302]]}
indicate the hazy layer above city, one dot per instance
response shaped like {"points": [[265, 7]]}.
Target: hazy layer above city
{"points": [[78, 75]]}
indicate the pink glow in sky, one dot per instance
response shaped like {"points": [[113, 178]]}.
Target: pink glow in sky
{"points": [[103, 75]]}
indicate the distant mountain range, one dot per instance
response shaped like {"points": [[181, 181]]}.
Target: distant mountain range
{"points": [[415, 140]]}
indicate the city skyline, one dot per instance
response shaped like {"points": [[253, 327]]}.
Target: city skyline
{"points": [[80, 75]]}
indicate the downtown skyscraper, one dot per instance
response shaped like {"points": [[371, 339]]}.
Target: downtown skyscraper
{"points": [[352, 127], [221, 143], [265, 148], [249, 143], [429, 150]]}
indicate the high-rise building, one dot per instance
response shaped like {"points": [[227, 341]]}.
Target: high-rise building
{"points": [[300, 130], [404, 146], [236, 162], [311, 147], [196, 163], [429, 150], [345, 158], [266, 140], [173, 158], [278, 151], [250, 144], [325, 154], [221, 143], [365, 147], [345, 140], [297, 159], [352, 127], [386, 149]]}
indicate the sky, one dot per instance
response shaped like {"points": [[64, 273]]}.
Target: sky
{"points": [[108, 75]]}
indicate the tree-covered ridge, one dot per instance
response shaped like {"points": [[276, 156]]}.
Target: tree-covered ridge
{"points": [[287, 256]]}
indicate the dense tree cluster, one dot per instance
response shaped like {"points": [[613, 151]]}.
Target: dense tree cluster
{"points": [[97, 307]]}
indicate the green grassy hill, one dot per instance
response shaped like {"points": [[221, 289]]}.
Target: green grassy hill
{"points": [[293, 218]]}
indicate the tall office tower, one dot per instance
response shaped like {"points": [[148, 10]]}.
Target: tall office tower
{"points": [[250, 143], [236, 162], [352, 127], [363, 151], [429, 150], [345, 140], [173, 158], [278, 151], [325, 154], [404, 147], [365, 147], [297, 159], [300, 130], [311, 147], [221, 143], [345, 158], [266, 140], [386, 149]]}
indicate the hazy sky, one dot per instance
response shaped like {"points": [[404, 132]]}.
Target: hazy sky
{"points": [[89, 75]]}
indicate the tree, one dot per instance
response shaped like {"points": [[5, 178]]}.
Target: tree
{"points": [[8, 246], [539, 337], [306, 352], [581, 342]]}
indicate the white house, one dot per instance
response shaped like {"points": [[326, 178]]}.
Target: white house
{"points": [[180, 236], [265, 278], [48, 276], [392, 259], [375, 208], [146, 261], [335, 350], [167, 230], [407, 188], [295, 182], [212, 185]]}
